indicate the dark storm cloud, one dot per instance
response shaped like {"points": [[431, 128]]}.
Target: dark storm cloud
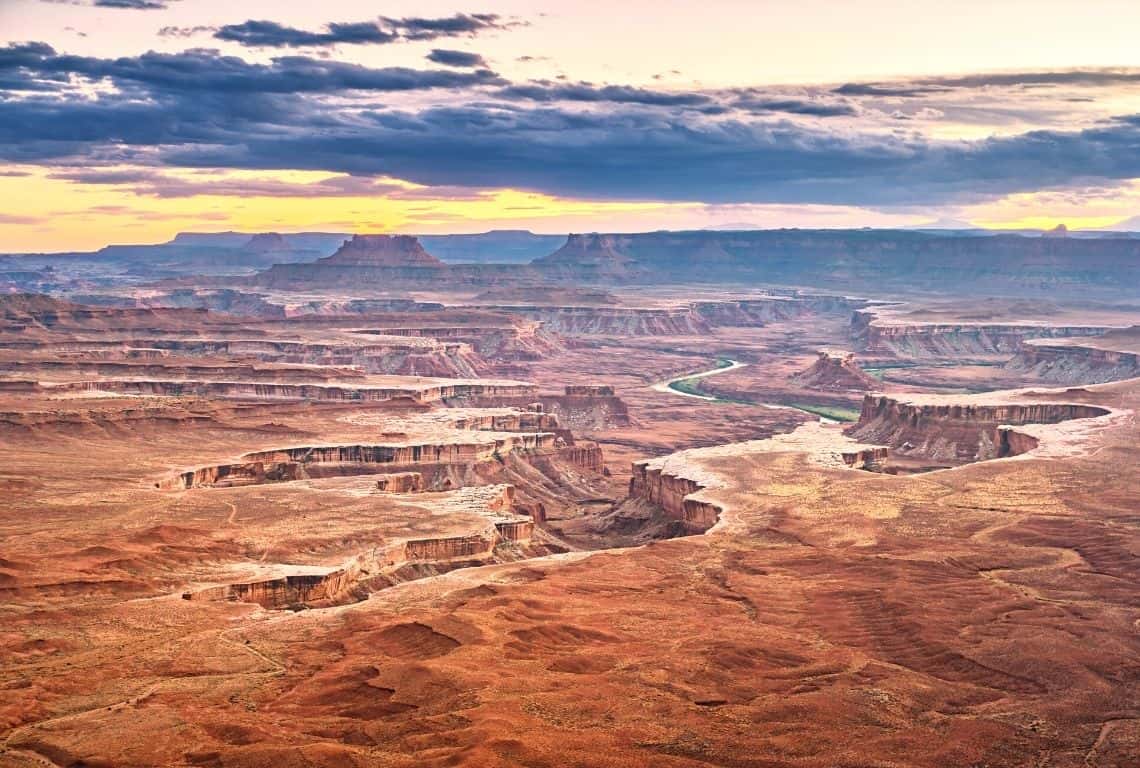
{"points": [[634, 155], [185, 31], [878, 89], [459, 25], [142, 5], [137, 5], [199, 109], [270, 34], [199, 70], [456, 58], [941, 85], [712, 102], [547, 91]]}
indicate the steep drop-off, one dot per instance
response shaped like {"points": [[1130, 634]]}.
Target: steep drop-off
{"points": [[957, 430]]}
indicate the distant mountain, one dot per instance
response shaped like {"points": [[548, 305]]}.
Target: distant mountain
{"points": [[730, 227], [324, 243], [500, 246], [945, 223]]}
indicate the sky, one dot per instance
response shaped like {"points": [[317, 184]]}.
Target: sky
{"points": [[127, 121]]}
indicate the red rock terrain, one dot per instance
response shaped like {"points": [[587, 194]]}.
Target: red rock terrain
{"points": [[236, 540]]}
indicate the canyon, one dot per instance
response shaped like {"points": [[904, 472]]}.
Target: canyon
{"points": [[789, 498]]}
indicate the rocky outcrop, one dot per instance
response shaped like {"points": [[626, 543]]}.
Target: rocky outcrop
{"points": [[584, 456], [255, 390], [614, 321], [363, 260], [919, 339], [381, 251], [836, 372], [761, 311], [252, 472], [400, 482], [1113, 357], [589, 390], [573, 411], [945, 429], [672, 492], [267, 242], [500, 537], [305, 461], [862, 259], [591, 258]]}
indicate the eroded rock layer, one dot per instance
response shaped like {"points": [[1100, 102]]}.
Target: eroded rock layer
{"points": [[959, 429]]}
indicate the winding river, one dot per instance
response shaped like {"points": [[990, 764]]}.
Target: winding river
{"points": [[668, 386], [671, 387]]}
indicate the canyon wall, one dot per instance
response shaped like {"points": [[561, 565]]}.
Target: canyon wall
{"points": [[390, 562], [672, 493], [958, 431], [875, 259], [920, 339], [1075, 363], [256, 390]]}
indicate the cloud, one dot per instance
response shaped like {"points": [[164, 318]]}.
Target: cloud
{"points": [[456, 58], [11, 218], [141, 5], [270, 34], [471, 129], [148, 182], [459, 25], [185, 31], [136, 5], [203, 71], [1097, 77], [634, 155], [546, 91]]}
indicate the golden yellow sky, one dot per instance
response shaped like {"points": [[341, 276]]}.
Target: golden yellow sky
{"points": [[665, 45]]}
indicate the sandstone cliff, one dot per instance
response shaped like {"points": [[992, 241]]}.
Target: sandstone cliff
{"points": [[1112, 357], [959, 428], [836, 372]]}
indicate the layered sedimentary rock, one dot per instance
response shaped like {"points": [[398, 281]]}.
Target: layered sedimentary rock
{"points": [[362, 260], [589, 390], [390, 355], [474, 440], [614, 321], [674, 483], [513, 341], [836, 371], [956, 428], [1008, 264], [401, 482], [763, 310], [266, 242], [1112, 357], [255, 390], [389, 562], [921, 339], [581, 407], [673, 493], [381, 251]]}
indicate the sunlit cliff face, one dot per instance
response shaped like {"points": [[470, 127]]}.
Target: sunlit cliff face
{"points": [[130, 123]]}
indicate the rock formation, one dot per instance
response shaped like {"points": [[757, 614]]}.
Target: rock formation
{"points": [[927, 339], [401, 482], [836, 371], [1112, 357], [381, 251], [267, 242], [958, 428]]}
